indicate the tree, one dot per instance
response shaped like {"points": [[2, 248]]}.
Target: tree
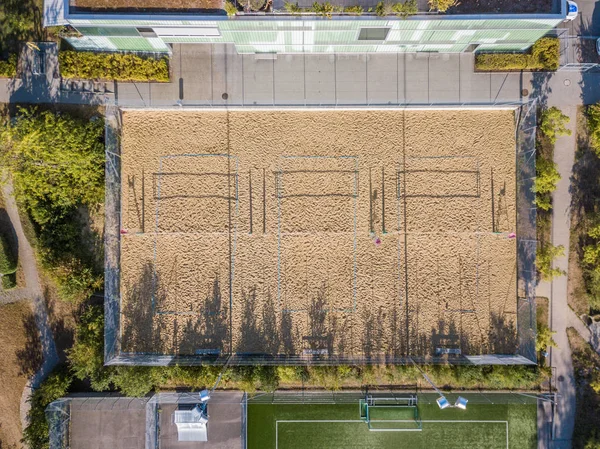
{"points": [[544, 338], [544, 258], [545, 182], [36, 434], [57, 162], [86, 357], [593, 120], [553, 124]]}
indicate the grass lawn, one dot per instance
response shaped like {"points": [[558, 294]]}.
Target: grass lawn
{"points": [[337, 426]]}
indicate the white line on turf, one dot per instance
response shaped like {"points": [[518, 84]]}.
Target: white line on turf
{"points": [[399, 420]]}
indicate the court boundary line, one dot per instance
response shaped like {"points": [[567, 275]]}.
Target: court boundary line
{"points": [[279, 187], [156, 227], [456, 421]]}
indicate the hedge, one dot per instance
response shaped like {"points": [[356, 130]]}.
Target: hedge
{"points": [[8, 68], [8, 258], [113, 66], [543, 55]]}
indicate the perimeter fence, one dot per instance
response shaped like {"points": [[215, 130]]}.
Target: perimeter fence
{"points": [[525, 121], [429, 397]]}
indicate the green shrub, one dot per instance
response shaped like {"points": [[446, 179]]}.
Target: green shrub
{"points": [[356, 10], [230, 8], [544, 258], [384, 8], [553, 124], [8, 68], [543, 338], [57, 166], [325, 9], [545, 182], [113, 66], [543, 55], [8, 256], [292, 8], [406, 8], [442, 5], [9, 281], [36, 434], [593, 123]]}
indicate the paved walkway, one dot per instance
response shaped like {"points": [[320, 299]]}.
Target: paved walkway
{"points": [[33, 292], [560, 313], [215, 75]]}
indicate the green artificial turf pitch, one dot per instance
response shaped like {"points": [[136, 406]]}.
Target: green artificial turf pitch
{"points": [[328, 426]]}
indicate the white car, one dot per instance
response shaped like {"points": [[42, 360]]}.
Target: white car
{"points": [[572, 11]]}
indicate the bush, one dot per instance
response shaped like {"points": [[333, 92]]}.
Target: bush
{"points": [[553, 124], [543, 338], [545, 182], [8, 256], [36, 434], [57, 165], [544, 258], [405, 9], [9, 281], [230, 8], [8, 68], [356, 10], [113, 66], [292, 7], [543, 55], [324, 9], [442, 5], [593, 122]]}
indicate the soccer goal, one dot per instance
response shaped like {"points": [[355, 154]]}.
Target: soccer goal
{"points": [[397, 413]]}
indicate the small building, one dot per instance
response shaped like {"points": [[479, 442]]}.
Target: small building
{"points": [[278, 26], [101, 421]]}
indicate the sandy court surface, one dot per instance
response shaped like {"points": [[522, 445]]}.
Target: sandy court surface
{"points": [[348, 232]]}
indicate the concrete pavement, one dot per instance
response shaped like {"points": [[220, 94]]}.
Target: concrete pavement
{"points": [[560, 357]]}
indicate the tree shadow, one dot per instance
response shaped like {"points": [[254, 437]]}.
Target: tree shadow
{"points": [[540, 88], [287, 334], [322, 324], [502, 336], [7, 231], [30, 357], [397, 342], [210, 329], [64, 334], [259, 337], [372, 335], [142, 332]]}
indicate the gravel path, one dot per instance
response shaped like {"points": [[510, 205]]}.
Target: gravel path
{"points": [[33, 292]]}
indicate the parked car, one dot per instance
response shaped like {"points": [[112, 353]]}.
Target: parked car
{"points": [[598, 46], [572, 11]]}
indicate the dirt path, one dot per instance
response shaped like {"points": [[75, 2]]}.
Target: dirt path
{"points": [[33, 292]]}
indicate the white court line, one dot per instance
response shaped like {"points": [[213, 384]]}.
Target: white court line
{"points": [[399, 420]]}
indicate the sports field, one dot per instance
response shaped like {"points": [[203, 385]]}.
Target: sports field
{"points": [[358, 233], [294, 426]]}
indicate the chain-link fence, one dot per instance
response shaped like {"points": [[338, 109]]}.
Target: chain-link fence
{"points": [[525, 121], [58, 416], [526, 231], [352, 397], [112, 300]]}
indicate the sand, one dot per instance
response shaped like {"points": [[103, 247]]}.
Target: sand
{"points": [[340, 232]]}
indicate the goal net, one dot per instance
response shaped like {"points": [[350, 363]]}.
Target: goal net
{"points": [[391, 413]]}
